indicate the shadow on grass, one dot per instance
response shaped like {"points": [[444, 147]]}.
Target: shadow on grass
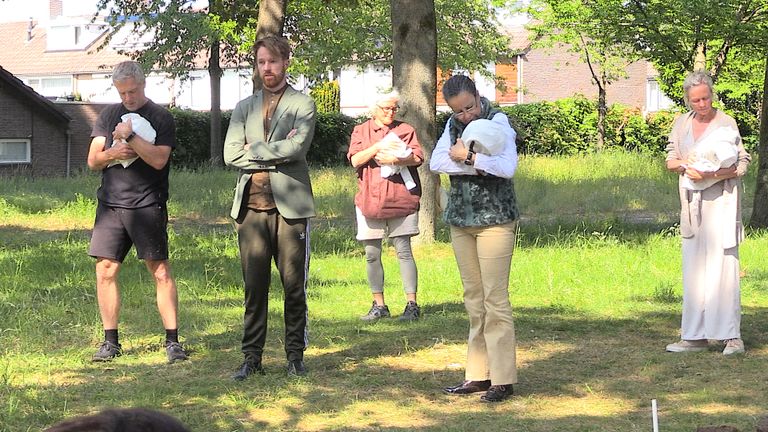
{"points": [[361, 368]]}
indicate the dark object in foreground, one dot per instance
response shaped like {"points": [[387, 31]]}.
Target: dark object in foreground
{"points": [[122, 420]]}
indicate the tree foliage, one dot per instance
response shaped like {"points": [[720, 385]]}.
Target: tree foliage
{"points": [[176, 37], [578, 26], [332, 35]]}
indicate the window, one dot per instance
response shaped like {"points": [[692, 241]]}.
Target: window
{"points": [[656, 100], [15, 151], [51, 86]]}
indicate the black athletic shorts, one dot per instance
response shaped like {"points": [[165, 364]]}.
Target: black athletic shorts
{"points": [[116, 229]]}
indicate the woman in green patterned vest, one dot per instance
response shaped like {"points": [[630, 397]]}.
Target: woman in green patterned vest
{"points": [[482, 214]]}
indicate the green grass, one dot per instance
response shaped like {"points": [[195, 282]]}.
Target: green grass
{"points": [[595, 286]]}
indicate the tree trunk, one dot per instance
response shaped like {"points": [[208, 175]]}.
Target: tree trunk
{"points": [[700, 60], [760, 210], [414, 75], [271, 21], [214, 71], [602, 113]]}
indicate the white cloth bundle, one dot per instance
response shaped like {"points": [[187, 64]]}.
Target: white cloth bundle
{"points": [[717, 150], [487, 136], [402, 152], [142, 128]]}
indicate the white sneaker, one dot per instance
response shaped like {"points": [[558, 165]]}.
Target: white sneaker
{"points": [[734, 346], [688, 346]]}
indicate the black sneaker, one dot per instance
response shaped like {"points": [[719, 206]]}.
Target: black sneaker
{"points": [[247, 369], [412, 312], [376, 312], [107, 351], [296, 368], [175, 352]]}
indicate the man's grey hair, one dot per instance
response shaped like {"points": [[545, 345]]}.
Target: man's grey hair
{"points": [[694, 79], [384, 95], [126, 70]]}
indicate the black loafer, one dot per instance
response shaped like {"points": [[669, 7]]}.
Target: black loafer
{"points": [[247, 369], [468, 387], [296, 368], [497, 393]]}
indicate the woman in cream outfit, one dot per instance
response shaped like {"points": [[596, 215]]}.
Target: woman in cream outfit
{"points": [[710, 224]]}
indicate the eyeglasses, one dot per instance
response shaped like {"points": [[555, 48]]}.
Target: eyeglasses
{"points": [[390, 109], [467, 109]]}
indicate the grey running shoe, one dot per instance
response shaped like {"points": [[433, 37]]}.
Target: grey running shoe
{"points": [[107, 351], [175, 352], [412, 312], [376, 312]]}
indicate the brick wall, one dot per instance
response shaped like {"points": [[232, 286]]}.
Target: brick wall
{"points": [[20, 118], [84, 116], [553, 74], [508, 73]]}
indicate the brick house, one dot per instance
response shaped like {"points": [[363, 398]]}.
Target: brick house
{"points": [[527, 74], [39, 137], [548, 74], [34, 134]]}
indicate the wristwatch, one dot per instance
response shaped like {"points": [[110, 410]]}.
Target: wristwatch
{"points": [[130, 137], [468, 160]]}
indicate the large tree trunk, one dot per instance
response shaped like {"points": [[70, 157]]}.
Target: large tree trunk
{"points": [[271, 21], [214, 71], [414, 75], [760, 210]]}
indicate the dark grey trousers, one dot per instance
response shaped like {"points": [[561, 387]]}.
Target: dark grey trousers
{"points": [[263, 236]]}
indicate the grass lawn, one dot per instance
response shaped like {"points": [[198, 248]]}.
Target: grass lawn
{"points": [[595, 285]]}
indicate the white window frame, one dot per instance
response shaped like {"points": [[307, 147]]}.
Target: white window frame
{"points": [[17, 140], [37, 85]]}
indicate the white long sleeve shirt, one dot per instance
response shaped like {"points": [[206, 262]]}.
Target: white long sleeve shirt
{"points": [[503, 164]]}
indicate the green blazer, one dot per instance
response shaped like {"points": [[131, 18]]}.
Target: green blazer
{"points": [[284, 158]]}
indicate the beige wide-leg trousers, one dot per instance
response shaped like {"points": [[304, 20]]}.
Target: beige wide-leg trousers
{"points": [[484, 255]]}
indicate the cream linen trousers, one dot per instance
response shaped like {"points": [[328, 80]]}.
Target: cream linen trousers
{"points": [[484, 255], [711, 292]]}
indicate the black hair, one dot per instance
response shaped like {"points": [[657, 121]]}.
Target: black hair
{"points": [[457, 84]]}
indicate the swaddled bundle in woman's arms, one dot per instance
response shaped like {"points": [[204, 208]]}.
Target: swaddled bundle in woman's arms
{"points": [[484, 136], [401, 151], [717, 150]]}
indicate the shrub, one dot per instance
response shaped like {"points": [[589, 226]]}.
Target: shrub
{"points": [[534, 123], [327, 97], [328, 147], [193, 136], [569, 126], [331, 141]]}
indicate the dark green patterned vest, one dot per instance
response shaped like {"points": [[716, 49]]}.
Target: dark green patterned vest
{"points": [[479, 200]]}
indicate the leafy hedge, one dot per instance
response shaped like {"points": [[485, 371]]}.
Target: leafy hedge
{"points": [[193, 128], [193, 136], [568, 126]]}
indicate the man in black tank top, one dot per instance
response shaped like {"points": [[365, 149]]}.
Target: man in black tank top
{"points": [[131, 145]]}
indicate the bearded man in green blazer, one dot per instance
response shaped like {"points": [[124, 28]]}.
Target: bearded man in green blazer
{"points": [[268, 138]]}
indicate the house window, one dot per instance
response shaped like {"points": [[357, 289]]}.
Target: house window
{"points": [[15, 151], [656, 100], [51, 86]]}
